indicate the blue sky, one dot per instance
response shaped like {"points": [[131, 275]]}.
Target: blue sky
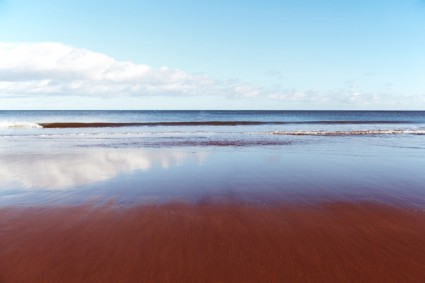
{"points": [[322, 54]]}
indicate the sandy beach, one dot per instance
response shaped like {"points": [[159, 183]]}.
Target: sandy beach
{"points": [[212, 242]]}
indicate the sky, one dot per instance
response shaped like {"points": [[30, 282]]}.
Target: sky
{"points": [[193, 54]]}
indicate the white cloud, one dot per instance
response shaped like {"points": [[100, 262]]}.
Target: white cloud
{"points": [[55, 69]]}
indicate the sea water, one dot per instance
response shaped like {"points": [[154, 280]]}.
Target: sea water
{"points": [[49, 157]]}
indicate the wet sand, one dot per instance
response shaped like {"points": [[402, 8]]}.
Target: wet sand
{"points": [[211, 242]]}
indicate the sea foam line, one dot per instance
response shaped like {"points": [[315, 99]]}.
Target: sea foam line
{"points": [[348, 133]]}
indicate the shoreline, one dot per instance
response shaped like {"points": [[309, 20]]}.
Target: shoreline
{"points": [[213, 242]]}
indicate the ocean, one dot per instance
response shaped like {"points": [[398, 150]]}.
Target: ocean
{"points": [[50, 157], [199, 128]]}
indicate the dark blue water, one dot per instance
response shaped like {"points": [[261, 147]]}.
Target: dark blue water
{"points": [[246, 115]]}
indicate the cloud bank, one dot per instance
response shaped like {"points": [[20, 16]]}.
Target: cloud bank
{"points": [[55, 69]]}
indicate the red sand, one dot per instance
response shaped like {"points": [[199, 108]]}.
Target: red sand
{"points": [[176, 242]]}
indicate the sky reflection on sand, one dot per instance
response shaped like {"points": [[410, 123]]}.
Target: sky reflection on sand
{"points": [[64, 171], [317, 173]]}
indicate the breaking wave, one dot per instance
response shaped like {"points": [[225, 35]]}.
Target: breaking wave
{"points": [[11, 125]]}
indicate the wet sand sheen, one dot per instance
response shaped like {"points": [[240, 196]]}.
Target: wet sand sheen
{"points": [[210, 242]]}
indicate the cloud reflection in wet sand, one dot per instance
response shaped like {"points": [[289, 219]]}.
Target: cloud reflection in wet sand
{"points": [[62, 171]]}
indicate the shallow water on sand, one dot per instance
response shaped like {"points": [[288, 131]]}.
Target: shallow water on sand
{"points": [[353, 169]]}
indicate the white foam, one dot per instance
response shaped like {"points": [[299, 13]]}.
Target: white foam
{"points": [[348, 133], [17, 124]]}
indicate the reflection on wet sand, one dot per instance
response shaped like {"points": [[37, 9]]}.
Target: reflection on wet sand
{"points": [[61, 171], [210, 242]]}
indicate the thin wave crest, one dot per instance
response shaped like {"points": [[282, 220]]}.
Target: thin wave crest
{"points": [[204, 123]]}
